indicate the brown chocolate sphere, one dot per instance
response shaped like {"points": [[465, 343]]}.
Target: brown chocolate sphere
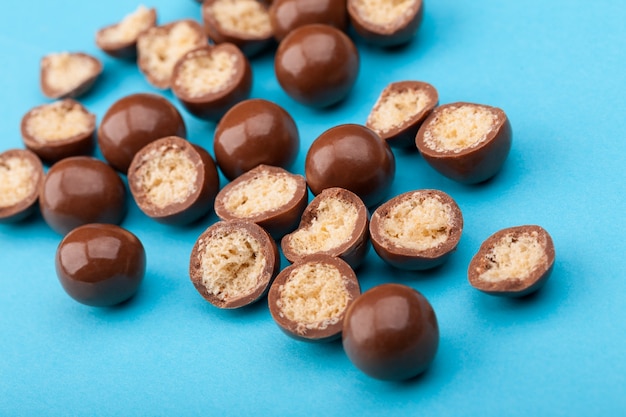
{"points": [[100, 264], [317, 65], [287, 15], [353, 157], [391, 333], [134, 121], [252, 133], [81, 190]]}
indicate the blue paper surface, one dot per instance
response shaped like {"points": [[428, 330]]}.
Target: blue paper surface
{"points": [[558, 69]]}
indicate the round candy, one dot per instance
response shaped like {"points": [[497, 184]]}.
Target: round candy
{"points": [[100, 264], [287, 15]]}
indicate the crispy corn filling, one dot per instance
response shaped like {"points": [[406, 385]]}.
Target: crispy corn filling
{"points": [[514, 257], [383, 12], [129, 28], [66, 71], [459, 128], [262, 193], [395, 108], [58, 121], [206, 74], [16, 180], [242, 16]]}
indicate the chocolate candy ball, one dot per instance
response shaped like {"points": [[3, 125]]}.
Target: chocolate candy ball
{"points": [[252, 133], [391, 333], [100, 265], [21, 179], [287, 15], [352, 157], [317, 65], [134, 121], [81, 190]]}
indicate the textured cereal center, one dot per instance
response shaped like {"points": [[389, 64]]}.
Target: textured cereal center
{"points": [[333, 224], [418, 224], [16, 180], [514, 257], [129, 28], [242, 16], [207, 74], [396, 108], [167, 176], [58, 121], [264, 192], [66, 71], [459, 128], [231, 264], [314, 296], [383, 12]]}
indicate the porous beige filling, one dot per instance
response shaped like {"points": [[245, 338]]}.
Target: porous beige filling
{"points": [[458, 128], [16, 180], [163, 48], [382, 12], [314, 296], [206, 74], [395, 108], [242, 16], [232, 263], [514, 257], [264, 192], [66, 71], [333, 224], [418, 223], [129, 28], [58, 121], [167, 176]]}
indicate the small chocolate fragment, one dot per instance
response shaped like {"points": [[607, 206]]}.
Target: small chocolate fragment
{"points": [[21, 179], [386, 23], [255, 132], [233, 264], [400, 110], [134, 121], [68, 74], [391, 333], [466, 142], [335, 223], [353, 157], [120, 40], [100, 265], [81, 190], [317, 65], [160, 47], [245, 23], [287, 15], [269, 196], [59, 130], [210, 80], [173, 181], [308, 300], [513, 262], [416, 230]]}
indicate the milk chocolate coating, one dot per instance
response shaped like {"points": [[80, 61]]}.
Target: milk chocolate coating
{"points": [[512, 286], [53, 151], [295, 329], [317, 65], [276, 222], [119, 49], [287, 15], [408, 258], [100, 265], [398, 32], [212, 106], [473, 165], [25, 207], [76, 91], [134, 121], [81, 190], [255, 132], [198, 203], [353, 157], [391, 333], [354, 249]]}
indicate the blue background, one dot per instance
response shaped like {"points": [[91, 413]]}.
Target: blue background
{"points": [[557, 68]]}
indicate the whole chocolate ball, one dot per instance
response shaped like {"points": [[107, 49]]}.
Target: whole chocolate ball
{"points": [[353, 157], [317, 65], [133, 122], [252, 133], [390, 332], [287, 15], [100, 264]]}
